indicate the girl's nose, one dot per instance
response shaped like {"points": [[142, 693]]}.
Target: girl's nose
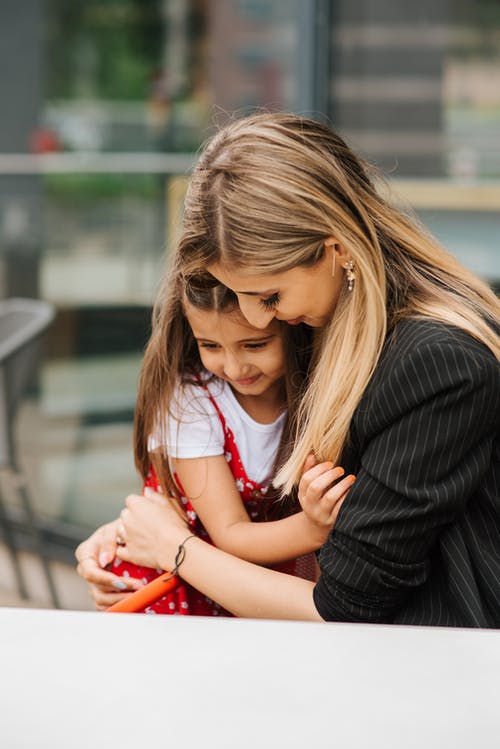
{"points": [[234, 368]]}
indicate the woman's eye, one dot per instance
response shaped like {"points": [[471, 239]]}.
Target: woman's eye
{"points": [[271, 301], [253, 346], [211, 346]]}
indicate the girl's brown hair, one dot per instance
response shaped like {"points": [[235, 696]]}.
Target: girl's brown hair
{"points": [[172, 358]]}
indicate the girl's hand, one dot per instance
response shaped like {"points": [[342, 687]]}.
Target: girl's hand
{"points": [[152, 531], [321, 498], [93, 555]]}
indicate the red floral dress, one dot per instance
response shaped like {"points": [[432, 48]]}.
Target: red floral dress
{"points": [[185, 599]]}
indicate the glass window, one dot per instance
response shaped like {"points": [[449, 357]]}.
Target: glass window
{"points": [[417, 89]]}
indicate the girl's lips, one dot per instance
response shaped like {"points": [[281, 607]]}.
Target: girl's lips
{"points": [[248, 380], [296, 321]]}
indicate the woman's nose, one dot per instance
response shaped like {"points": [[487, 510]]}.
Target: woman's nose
{"points": [[256, 315]]}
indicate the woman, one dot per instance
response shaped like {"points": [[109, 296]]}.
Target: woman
{"points": [[404, 392]]}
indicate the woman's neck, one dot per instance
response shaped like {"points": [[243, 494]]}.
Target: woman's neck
{"points": [[264, 408]]}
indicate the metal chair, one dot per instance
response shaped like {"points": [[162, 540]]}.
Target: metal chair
{"points": [[22, 323]]}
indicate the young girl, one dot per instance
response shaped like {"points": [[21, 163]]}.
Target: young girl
{"points": [[211, 423]]}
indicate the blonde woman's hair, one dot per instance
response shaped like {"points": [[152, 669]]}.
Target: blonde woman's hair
{"points": [[266, 193]]}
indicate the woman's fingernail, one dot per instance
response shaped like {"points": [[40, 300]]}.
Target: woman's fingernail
{"points": [[105, 558], [119, 585], [352, 478], [134, 584]]}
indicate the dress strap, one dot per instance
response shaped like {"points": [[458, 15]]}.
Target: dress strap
{"points": [[213, 402], [248, 488]]}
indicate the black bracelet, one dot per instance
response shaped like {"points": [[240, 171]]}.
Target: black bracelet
{"points": [[179, 558]]}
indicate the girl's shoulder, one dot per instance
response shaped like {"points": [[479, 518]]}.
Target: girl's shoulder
{"points": [[189, 425], [194, 396]]}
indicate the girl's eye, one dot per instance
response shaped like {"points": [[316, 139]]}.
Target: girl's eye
{"points": [[253, 346], [209, 345], [271, 301]]}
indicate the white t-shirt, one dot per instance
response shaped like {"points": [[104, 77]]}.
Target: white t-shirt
{"points": [[195, 430]]}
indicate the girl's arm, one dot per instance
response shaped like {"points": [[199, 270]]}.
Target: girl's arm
{"points": [[154, 531], [210, 485]]}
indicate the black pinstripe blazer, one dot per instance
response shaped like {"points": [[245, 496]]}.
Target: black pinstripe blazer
{"points": [[417, 540]]}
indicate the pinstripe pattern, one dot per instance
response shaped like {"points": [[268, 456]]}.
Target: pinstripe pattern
{"points": [[417, 540]]}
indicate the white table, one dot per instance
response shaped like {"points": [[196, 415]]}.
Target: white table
{"points": [[74, 680]]}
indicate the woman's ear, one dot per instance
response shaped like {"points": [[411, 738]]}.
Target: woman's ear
{"points": [[337, 252], [330, 252], [331, 244]]}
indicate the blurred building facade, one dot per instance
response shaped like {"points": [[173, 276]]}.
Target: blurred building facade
{"points": [[104, 105]]}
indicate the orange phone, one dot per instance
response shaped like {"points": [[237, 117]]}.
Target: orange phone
{"points": [[151, 592]]}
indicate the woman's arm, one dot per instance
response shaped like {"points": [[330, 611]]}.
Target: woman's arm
{"points": [[426, 431], [154, 532], [210, 485]]}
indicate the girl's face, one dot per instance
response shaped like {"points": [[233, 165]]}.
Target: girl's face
{"points": [[302, 294], [250, 360]]}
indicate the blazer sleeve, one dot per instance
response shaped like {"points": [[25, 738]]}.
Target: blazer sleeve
{"points": [[431, 421]]}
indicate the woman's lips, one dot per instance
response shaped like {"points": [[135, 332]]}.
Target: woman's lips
{"points": [[295, 321]]}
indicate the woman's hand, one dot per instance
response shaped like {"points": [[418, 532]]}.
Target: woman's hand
{"points": [[93, 555], [151, 530], [321, 494]]}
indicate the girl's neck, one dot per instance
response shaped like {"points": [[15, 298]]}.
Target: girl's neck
{"points": [[264, 408]]}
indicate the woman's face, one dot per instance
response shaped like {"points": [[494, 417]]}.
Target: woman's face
{"points": [[302, 294]]}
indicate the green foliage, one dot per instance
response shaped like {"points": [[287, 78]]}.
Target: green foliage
{"points": [[79, 188], [102, 48]]}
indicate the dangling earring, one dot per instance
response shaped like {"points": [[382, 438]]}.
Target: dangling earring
{"points": [[349, 272], [333, 263]]}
